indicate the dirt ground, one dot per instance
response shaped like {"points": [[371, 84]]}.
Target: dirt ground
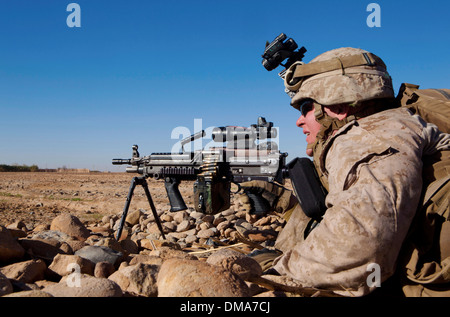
{"points": [[37, 198]]}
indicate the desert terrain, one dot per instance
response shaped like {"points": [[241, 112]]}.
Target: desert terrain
{"points": [[49, 217], [37, 198]]}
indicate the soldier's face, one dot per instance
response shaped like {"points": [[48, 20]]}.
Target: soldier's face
{"points": [[310, 126]]}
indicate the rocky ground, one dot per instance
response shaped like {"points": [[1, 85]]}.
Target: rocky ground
{"points": [[57, 238]]}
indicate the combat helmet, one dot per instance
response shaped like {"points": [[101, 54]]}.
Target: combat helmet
{"points": [[341, 76], [344, 75]]}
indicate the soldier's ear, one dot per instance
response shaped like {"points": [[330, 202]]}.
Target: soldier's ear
{"points": [[340, 112]]}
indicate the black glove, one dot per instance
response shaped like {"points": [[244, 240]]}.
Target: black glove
{"points": [[275, 197]]}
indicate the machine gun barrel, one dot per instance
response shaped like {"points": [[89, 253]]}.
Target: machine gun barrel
{"points": [[121, 161]]}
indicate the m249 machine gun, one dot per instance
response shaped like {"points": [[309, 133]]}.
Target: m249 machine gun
{"points": [[213, 170]]}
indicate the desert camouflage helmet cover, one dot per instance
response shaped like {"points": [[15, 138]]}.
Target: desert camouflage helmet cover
{"points": [[343, 75]]}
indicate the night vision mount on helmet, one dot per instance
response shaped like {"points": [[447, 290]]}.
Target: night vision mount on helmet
{"points": [[279, 50]]}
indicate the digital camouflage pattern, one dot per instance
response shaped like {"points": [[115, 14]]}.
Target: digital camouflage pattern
{"points": [[374, 170], [349, 85]]}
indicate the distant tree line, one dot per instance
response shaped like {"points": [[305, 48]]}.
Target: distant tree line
{"points": [[18, 168]]}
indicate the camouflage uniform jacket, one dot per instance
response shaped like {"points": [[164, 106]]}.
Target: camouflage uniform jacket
{"points": [[374, 169]]}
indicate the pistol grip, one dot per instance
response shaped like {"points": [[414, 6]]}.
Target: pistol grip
{"points": [[175, 198], [258, 203]]}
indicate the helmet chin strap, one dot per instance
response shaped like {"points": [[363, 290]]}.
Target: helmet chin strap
{"points": [[328, 123]]}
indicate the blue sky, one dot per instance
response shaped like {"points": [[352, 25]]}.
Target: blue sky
{"points": [[136, 70]]}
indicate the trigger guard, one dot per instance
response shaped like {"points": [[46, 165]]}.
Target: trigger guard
{"points": [[239, 188]]}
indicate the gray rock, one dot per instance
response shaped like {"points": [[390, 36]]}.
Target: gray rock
{"points": [[51, 234], [100, 254]]}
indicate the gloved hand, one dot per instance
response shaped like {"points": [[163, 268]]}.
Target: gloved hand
{"points": [[279, 198]]}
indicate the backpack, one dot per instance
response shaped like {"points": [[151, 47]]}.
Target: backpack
{"points": [[433, 105], [424, 263]]}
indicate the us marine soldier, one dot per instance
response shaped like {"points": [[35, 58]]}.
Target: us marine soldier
{"points": [[369, 154]]}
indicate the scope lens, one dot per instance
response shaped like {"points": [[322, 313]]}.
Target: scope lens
{"points": [[267, 65]]}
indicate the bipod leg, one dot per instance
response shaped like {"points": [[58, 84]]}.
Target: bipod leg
{"points": [[127, 206], [144, 184]]}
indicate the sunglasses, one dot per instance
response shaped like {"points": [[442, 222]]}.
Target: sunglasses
{"points": [[306, 106]]}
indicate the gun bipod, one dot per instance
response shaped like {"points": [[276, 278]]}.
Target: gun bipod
{"points": [[143, 182]]}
